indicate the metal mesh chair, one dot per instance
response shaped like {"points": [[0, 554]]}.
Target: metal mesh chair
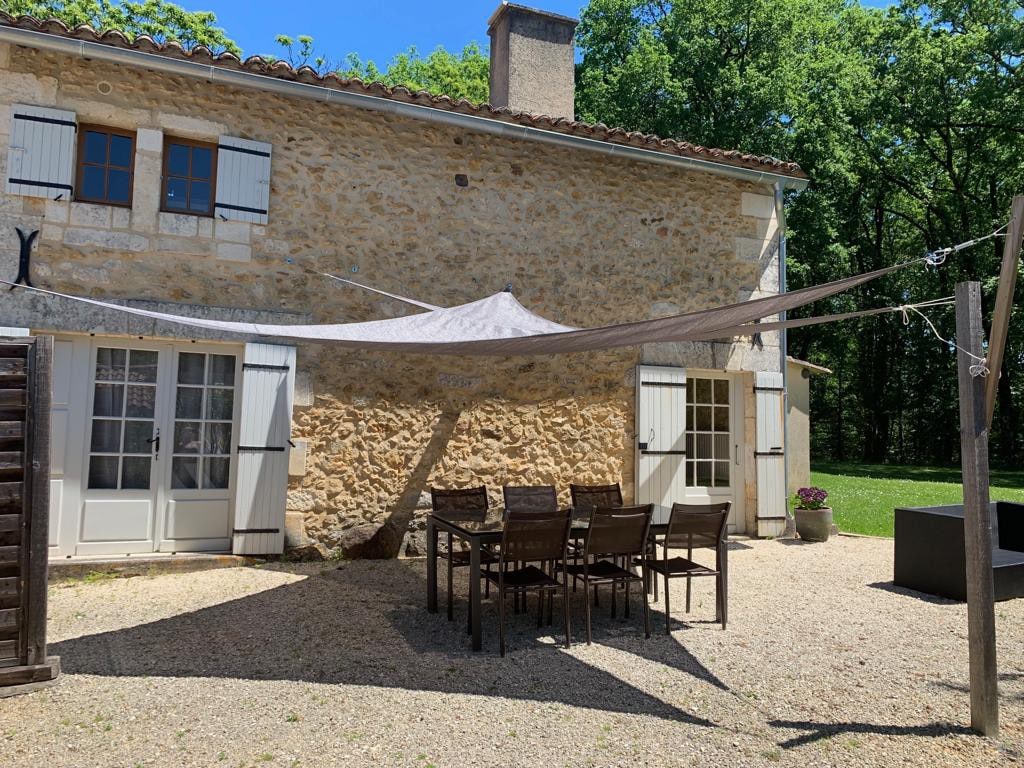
{"points": [[462, 504], [694, 526], [532, 537], [615, 534], [586, 498], [530, 498]]}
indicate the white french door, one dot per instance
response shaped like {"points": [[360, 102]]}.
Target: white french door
{"points": [[158, 463]]}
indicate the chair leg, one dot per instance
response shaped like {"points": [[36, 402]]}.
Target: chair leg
{"points": [[723, 598], [668, 619], [627, 598], [487, 583], [501, 621], [688, 583], [586, 589], [451, 587], [551, 595], [540, 608], [647, 607], [565, 609], [614, 590]]}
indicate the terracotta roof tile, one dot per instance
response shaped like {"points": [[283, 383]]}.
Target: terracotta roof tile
{"points": [[280, 69]]}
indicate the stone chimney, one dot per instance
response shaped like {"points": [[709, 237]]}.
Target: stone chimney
{"points": [[532, 61]]}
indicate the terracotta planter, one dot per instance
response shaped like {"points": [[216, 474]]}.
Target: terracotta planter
{"points": [[814, 524]]}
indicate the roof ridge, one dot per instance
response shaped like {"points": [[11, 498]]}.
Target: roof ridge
{"points": [[259, 65]]}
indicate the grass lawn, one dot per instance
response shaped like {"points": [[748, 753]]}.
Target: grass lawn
{"points": [[863, 495]]}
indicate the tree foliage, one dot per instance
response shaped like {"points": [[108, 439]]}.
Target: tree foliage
{"points": [[907, 120], [159, 19], [459, 75]]}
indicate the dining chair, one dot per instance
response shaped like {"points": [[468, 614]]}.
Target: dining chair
{"points": [[615, 535], [461, 504], [530, 498], [528, 538], [694, 526], [586, 498]]}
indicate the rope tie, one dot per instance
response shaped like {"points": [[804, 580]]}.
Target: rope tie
{"points": [[979, 368], [938, 257]]}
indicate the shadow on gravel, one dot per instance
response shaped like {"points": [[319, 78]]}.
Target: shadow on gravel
{"points": [[924, 597], [819, 731], [366, 624]]}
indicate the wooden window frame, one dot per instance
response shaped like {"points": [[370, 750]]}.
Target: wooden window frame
{"points": [[80, 164], [165, 176]]}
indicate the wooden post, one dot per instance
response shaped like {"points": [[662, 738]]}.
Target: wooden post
{"points": [[1004, 302], [981, 619]]}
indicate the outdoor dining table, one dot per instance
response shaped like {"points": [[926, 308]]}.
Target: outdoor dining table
{"points": [[477, 533]]}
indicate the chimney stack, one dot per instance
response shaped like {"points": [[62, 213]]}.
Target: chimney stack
{"points": [[533, 66]]}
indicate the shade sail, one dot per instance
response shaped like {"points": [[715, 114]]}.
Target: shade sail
{"points": [[500, 325]]}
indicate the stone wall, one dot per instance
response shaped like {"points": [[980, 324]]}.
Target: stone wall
{"points": [[584, 239]]}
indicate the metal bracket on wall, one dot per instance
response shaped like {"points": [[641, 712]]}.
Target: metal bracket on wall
{"points": [[23, 257]]}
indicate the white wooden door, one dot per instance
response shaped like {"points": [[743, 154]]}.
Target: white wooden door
{"points": [[714, 436], [127, 406], [770, 454]]}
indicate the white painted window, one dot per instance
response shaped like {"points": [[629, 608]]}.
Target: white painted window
{"points": [[41, 154], [243, 180]]}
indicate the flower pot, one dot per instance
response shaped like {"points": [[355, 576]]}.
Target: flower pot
{"points": [[813, 524]]}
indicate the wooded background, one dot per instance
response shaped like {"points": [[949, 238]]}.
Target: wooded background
{"points": [[909, 121]]}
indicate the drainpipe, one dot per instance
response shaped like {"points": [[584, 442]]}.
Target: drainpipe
{"points": [[780, 213]]}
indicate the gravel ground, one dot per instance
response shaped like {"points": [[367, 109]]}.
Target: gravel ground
{"points": [[824, 663]]}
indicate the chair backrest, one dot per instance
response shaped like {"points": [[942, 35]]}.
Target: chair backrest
{"points": [[619, 530], [531, 498], [589, 496], [535, 536], [460, 504], [691, 526]]}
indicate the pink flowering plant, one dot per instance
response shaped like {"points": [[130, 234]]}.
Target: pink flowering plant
{"points": [[811, 498]]}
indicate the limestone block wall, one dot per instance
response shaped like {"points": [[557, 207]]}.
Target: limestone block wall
{"points": [[584, 239]]}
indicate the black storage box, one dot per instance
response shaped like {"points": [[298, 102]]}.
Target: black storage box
{"points": [[930, 557]]}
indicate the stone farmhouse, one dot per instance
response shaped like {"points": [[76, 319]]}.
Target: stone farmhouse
{"points": [[199, 184]]}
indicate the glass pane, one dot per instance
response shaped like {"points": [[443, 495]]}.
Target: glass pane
{"points": [[183, 472], [175, 197], [721, 392], [721, 474], [94, 183], [722, 446], [106, 437], [703, 473], [141, 402], [136, 437], [202, 162], [135, 472], [702, 418], [703, 390], [142, 366], [189, 403], [703, 448], [95, 147], [199, 197], [120, 151], [110, 364], [219, 403], [108, 400], [177, 159], [190, 368], [689, 444], [188, 436], [690, 386], [118, 186], [689, 474], [222, 370], [103, 471], [216, 472], [722, 418], [218, 439]]}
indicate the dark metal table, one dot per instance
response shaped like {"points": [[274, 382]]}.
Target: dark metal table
{"points": [[477, 533]]}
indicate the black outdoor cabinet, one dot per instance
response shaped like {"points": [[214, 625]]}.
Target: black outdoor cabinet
{"points": [[929, 553]]}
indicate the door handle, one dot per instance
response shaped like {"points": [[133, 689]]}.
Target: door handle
{"points": [[155, 442], [737, 447]]}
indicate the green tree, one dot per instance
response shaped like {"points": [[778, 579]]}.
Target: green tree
{"points": [[159, 19], [459, 75]]}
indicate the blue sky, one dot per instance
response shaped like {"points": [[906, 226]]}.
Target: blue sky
{"points": [[374, 30]]}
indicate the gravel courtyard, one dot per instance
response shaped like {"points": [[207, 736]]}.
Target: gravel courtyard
{"points": [[823, 663]]}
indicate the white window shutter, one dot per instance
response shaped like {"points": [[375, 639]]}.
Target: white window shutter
{"points": [[243, 180], [770, 454], [261, 488], [41, 155], [660, 434]]}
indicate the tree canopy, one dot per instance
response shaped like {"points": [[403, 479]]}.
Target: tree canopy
{"points": [[159, 19]]}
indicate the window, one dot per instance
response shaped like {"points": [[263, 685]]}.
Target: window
{"points": [[190, 170], [203, 413], [707, 433], [106, 165]]}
